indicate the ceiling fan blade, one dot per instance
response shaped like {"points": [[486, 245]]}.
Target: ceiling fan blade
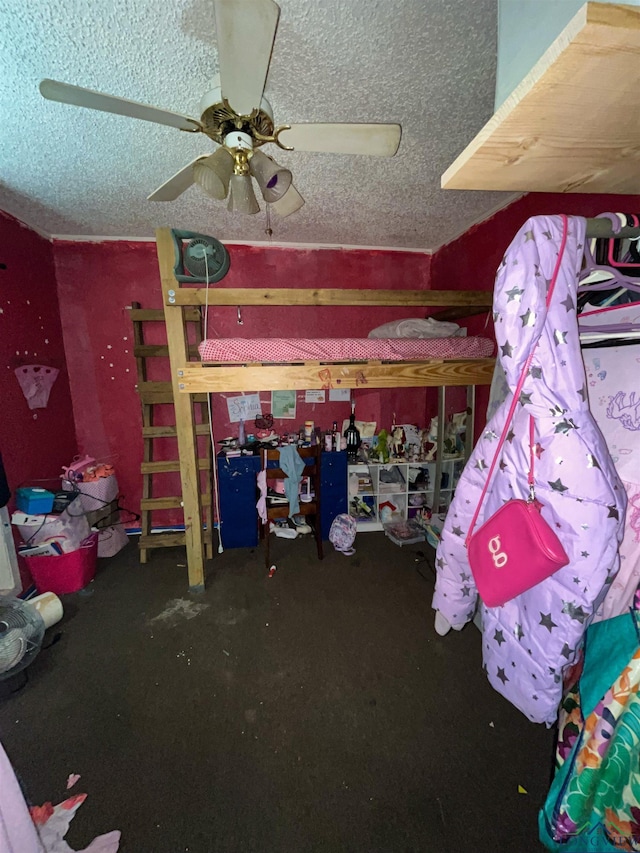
{"points": [[79, 97], [289, 203], [176, 185], [245, 31], [380, 140]]}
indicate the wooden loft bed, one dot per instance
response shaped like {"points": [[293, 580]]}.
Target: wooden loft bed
{"points": [[189, 377]]}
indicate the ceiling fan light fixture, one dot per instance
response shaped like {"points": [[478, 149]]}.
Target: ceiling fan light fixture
{"points": [[213, 173], [290, 202], [242, 198], [273, 180]]}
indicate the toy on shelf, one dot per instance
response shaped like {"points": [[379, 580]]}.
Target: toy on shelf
{"points": [[398, 440], [382, 448], [429, 441], [360, 509], [454, 431]]}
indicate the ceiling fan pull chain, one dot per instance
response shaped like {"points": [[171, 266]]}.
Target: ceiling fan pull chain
{"points": [[268, 230]]}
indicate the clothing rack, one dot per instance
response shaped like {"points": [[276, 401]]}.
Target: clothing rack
{"points": [[602, 228]]}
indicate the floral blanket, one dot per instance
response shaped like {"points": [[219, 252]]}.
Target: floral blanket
{"points": [[594, 800]]}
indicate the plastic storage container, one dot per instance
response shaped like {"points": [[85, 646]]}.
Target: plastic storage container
{"points": [[66, 572], [34, 501], [405, 532]]}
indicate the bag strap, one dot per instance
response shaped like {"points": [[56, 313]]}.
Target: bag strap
{"points": [[516, 397], [530, 480]]}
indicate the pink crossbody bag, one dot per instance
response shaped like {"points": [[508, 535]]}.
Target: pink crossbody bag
{"points": [[515, 549]]}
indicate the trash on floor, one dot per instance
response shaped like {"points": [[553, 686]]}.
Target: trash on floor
{"points": [[52, 823], [285, 532], [176, 610], [41, 828]]}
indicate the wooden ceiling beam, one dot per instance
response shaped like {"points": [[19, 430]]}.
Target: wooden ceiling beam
{"points": [[572, 124]]}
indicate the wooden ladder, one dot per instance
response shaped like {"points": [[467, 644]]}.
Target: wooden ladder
{"points": [[153, 393]]}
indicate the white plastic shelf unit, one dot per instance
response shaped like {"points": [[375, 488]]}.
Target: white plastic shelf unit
{"points": [[381, 493], [407, 487]]}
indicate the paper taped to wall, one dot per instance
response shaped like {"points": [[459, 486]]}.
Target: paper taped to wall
{"points": [[244, 407]]}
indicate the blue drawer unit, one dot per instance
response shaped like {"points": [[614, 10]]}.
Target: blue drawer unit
{"points": [[237, 481], [334, 488], [238, 495]]}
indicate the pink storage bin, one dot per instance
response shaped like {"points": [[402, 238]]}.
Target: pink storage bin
{"points": [[66, 572]]}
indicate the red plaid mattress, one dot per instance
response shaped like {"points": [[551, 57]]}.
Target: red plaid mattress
{"points": [[285, 350]]}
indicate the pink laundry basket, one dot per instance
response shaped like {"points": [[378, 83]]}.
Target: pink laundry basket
{"points": [[65, 573]]}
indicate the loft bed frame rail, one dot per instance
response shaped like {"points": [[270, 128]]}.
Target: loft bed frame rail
{"points": [[196, 378], [190, 378], [190, 295]]}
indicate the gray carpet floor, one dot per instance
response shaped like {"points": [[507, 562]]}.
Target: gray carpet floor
{"points": [[316, 710]]}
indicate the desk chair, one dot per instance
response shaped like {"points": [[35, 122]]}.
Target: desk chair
{"points": [[310, 509]]}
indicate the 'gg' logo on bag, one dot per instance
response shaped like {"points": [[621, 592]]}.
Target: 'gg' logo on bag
{"points": [[499, 557]]}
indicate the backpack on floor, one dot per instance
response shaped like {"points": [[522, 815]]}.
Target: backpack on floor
{"points": [[343, 533]]}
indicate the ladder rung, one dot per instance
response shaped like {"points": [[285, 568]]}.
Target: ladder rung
{"points": [[155, 392], [170, 502], [161, 540], [167, 540], [170, 431], [161, 503], [159, 351], [161, 392], [165, 466], [156, 315]]}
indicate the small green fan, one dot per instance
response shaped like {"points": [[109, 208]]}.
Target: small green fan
{"points": [[199, 259]]}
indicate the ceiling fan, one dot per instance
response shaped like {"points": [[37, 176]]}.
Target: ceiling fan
{"points": [[236, 115]]}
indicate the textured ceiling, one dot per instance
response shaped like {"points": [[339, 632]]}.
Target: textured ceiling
{"points": [[426, 64]]}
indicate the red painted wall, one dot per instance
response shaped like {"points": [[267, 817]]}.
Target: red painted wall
{"points": [[96, 281], [35, 444]]}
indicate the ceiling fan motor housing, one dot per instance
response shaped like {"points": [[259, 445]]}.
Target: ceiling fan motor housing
{"points": [[219, 119]]}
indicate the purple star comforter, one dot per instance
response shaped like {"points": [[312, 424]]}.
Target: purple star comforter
{"points": [[528, 642]]}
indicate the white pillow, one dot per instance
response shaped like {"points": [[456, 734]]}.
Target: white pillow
{"points": [[418, 327]]}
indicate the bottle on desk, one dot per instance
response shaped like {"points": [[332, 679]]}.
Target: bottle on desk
{"points": [[352, 434], [336, 436]]}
